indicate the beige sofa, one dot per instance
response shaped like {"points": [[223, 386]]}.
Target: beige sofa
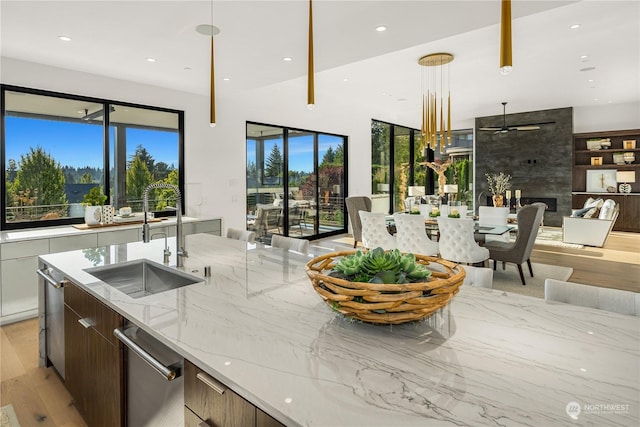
{"points": [[591, 230]]}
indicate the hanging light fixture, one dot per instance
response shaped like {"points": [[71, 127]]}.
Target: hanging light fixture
{"points": [[506, 61], [435, 80], [211, 30], [310, 78]]}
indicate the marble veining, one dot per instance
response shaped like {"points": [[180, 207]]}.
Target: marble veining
{"points": [[488, 358]]}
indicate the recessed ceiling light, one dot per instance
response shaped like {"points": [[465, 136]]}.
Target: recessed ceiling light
{"points": [[596, 99], [345, 79], [590, 80], [64, 38], [226, 79], [381, 28], [287, 59], [584, 57], [574, 26], [151, 60]]}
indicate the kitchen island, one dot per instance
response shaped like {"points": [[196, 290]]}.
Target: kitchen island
{"points": [[488, 358]]}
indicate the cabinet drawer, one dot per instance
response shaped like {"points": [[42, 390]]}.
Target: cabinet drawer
{"points": [[215, 403], [25, 249], [103, 319], [71, 243]]}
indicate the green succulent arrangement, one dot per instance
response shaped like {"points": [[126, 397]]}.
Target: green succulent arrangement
{"points": [[379, 266], [454, 215], [434, 214]]}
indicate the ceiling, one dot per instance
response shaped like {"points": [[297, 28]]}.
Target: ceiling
{"points": [[114, 38]]}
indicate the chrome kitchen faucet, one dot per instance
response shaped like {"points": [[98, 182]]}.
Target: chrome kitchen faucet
{"points": [[181, 252]]}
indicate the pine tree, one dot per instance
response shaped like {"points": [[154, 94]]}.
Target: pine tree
{"points": [[138, 177], [274, 163], [39, 171]]}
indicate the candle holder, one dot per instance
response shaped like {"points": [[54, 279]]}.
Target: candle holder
{"points": [[518, 205]]}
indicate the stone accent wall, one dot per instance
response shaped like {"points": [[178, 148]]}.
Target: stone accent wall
{"points": [[539, 161]]}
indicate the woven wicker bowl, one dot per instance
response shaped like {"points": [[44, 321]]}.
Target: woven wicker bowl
{"points": [[385, 303]]}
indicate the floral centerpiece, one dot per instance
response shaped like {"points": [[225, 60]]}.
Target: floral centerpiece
{"points": [[498, 184], [387, 287]]}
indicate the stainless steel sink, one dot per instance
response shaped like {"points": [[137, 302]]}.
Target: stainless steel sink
{"points": [[142, 277]]}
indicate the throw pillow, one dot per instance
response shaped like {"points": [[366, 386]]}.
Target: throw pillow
{"points": [[593, 203], [590, 213], [580, 212], [608, 207]]}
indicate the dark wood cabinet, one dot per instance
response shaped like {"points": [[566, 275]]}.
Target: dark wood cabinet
{"points": [[588, 161], [93, 358], [210, 402]]}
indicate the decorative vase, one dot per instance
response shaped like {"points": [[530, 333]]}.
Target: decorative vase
{"points": [[497, 201], [92, 215]]}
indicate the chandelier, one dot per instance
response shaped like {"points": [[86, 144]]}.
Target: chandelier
{"points": [[435, 128]]}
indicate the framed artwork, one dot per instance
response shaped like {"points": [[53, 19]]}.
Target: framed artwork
{"points": [[598, 180]]}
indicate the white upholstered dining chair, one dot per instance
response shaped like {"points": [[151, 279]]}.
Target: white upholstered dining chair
{"points": [[374, 231], [457, 243], [244, 235], [290, 243], [411, 235], [614, 300]]}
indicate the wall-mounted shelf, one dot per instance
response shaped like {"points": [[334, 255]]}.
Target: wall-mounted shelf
{"points": [[629, 218]]}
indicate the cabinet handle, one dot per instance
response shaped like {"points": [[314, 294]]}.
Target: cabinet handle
{"points": [[168, 373], [85, 323], [50, 280], [211, 383]]}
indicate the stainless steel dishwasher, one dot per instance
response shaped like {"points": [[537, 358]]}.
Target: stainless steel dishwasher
{"points": [[154, 382], [53, 285]]}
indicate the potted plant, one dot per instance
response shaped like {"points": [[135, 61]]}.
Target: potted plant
{"points": [[92, 201], [498, 184]]}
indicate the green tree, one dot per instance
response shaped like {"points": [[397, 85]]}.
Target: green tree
{"points": [[164, 195], [87, 178], [12, 170], [138, 177], [274, 163], [161, 171], [39, 171], [142, 154], [328, 157]]}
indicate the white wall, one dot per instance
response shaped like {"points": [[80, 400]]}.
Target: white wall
{"points": [[215, 157]]}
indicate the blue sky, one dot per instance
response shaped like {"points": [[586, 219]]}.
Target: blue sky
{"points": [[300, 150], [80, 144]]}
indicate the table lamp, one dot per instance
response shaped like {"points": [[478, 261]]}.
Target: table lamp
{"points": [[625, 178]]}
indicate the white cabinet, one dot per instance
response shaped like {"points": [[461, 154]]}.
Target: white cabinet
{"points": [[118, 236], [18, 281]]}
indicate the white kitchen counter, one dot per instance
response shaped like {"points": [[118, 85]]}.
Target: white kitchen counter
{"points": [[9, 236], [489, 358]]}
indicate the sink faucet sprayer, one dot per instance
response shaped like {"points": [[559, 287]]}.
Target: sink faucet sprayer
{"points": [[180, 249]]}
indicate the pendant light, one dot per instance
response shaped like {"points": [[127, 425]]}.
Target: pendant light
{"points": [[310, 78], [435, 130], [212, 94], [506, 61]]}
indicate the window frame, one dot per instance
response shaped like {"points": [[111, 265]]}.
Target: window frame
{"points": [[106, 103]]}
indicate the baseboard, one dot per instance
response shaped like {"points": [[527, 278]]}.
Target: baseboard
{"points": [[18, 317]]}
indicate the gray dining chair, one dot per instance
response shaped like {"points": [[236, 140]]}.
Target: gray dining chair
{"points": [[356, 204], [614, 300], [529, 219]]}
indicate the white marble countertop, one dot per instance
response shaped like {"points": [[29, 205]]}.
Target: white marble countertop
{"points": [[489, 358], [9, 236]]}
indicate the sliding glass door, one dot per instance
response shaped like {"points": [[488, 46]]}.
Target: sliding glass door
{"points": [[295, 182]]}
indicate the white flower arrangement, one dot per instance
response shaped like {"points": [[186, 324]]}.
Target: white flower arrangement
{"points": [[498, 184]]}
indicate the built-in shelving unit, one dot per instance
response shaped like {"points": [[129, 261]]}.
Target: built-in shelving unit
{"points": [[603, 160]]}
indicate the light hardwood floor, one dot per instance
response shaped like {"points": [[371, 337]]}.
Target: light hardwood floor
{"points": [[37, 394], [40, 399]]}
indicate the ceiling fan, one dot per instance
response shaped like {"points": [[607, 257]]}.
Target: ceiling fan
{"points": [[505, 128]]}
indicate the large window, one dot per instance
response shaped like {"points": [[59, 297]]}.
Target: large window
{"points": [[56, 147], [398, 170], [295, 182]]}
